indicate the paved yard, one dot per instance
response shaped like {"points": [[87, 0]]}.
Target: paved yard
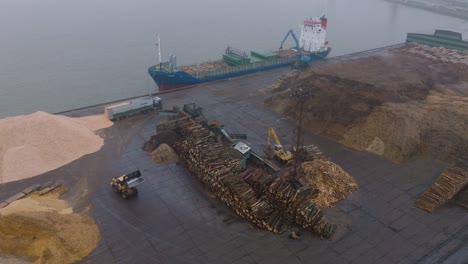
{"points": [[173, 220]]}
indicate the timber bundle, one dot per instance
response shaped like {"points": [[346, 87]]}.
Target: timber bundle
{"points": [[252, 193], [452, 180], [312, 152], [296, 205]]}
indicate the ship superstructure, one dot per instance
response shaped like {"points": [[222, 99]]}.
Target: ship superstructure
{"points": [[313, 35]]}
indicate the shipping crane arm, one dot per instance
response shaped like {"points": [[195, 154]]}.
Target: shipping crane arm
{"points": [[296, 41]]}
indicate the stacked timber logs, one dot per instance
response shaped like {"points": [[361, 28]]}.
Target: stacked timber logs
{"points": [[225, 177], [298, 208], [452, 180], [255, 195], [259, 180], [312, 152]]}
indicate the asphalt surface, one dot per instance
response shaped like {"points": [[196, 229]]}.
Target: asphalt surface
{"points": [[174, 220]]}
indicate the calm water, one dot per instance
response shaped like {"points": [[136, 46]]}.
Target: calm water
{"points": [[57, 55]]}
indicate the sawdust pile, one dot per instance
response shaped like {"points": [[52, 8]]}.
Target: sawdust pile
{"points": [[94, 123], [33, 144], [436, 127], [398, 104], [328, 179], [43, 229], [168, 137], [164, 154]]}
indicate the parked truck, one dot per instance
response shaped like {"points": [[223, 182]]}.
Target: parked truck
{"points": [[133, 107]]}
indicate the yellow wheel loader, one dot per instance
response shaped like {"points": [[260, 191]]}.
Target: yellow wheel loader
{"points": [[125, 184]]}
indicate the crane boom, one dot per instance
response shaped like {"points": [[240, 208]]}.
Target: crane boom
{"points": [[304, 58], [296, 41], [272, 133]]}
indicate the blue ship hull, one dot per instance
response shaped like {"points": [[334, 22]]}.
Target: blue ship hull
{"points": [[167, 80]]}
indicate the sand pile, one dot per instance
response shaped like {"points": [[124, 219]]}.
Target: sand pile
{"points": [[164, 154], [43, 229], [399, 105], [330, 181], [33, 144]]}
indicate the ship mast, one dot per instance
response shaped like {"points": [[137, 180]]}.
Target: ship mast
{"points": [[158, 44]]}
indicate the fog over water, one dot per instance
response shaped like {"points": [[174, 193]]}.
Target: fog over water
{"points": [[57, 55]]}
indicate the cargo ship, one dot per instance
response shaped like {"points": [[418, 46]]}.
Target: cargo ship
{"points": [[312, 45]]}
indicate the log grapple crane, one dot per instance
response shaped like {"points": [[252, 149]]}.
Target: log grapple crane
{"points": [[280, 154]]}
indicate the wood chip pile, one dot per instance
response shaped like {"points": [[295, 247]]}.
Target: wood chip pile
{"points": [[449, 183], [329, 180], [255, 195]]}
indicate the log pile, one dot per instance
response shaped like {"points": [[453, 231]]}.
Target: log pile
{"points": [[299, 208], [312, 152], [255, 195], [225, 177], [450, 182], [296, 206]]}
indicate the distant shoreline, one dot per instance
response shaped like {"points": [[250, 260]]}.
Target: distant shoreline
{"points": [[460, 12]]}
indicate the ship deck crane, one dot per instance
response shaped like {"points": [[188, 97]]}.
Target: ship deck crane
{"points": [[279, 153], [299, 53]]}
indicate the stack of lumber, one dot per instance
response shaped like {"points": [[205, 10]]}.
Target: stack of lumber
{"points": [[452, 180], [225, 177]]}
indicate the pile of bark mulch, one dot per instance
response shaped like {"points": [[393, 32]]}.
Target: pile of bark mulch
{"points": [[168, 137]]}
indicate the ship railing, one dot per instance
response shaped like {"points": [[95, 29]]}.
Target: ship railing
{"points": [[165, 66], [241, 68]]}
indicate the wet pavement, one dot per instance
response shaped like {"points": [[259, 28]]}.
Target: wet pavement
{"points": [[174, 220]]}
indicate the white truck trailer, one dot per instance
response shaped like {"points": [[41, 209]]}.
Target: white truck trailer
{"points": [[133, 107]]}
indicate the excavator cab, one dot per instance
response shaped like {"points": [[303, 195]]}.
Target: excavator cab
{"points": [[277, 148]]}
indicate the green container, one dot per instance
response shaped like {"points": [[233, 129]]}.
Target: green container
{"points": [[235, 60], [263, 54]]}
